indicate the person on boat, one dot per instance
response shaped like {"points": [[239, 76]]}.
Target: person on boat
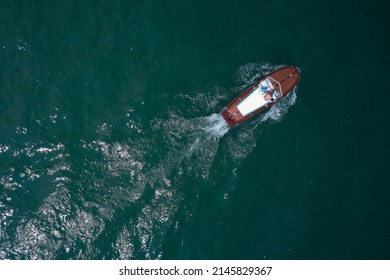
{"points": [[268, 96], [271, 95]]}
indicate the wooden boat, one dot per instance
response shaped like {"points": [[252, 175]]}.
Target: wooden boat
{"points": [[262, 95]]}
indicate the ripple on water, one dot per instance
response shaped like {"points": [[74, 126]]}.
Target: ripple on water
{"points": [[117, 198]]}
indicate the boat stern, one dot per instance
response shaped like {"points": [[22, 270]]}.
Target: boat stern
{"points": [[228, 118]]}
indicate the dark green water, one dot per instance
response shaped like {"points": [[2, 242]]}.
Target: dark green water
{"points": [[111, 146]]}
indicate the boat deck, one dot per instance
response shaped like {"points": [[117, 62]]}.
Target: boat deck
{"points": [[287, 78]]}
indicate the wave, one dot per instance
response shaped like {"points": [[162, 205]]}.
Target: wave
{"points": [[116, 196]]}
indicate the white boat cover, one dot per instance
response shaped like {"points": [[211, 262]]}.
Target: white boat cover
{"points": [[255, 99]]}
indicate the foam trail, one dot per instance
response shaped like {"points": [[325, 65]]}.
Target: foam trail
{"points": [[205, 134], [217, 126], [185, 150], [125, 190]]}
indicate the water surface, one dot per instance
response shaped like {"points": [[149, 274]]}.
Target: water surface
{"points": [[112, 146]]}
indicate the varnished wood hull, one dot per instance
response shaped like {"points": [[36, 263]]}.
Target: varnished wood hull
{"points": [[286, 78]]}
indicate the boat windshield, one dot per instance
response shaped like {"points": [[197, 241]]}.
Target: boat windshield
{"points": [[276, 85], [266, 85]]}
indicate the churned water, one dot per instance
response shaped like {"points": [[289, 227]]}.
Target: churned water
{"points": [[112, 145]]}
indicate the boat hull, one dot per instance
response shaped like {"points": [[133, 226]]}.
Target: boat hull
{"points": [[250, 102]]}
